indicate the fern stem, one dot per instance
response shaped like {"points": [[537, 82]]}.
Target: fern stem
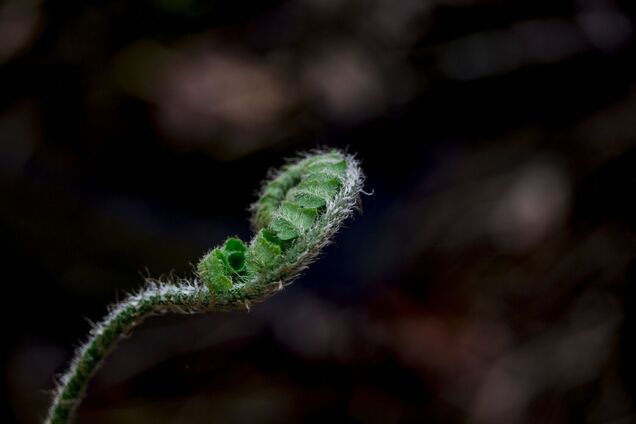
{"points": [[154, 300]]}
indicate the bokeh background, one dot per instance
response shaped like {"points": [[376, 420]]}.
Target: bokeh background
{"points": [[490, 279]]}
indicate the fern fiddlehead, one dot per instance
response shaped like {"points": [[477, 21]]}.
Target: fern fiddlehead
{"points": [[300, 208]]}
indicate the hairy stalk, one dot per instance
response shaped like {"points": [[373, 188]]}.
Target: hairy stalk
{"points": [[300, 208]]}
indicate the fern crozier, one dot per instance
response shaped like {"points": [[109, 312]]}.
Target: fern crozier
{"points": [[300, 208]]}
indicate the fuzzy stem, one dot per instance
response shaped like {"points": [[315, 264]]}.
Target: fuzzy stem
{"points": [[185, 298]]}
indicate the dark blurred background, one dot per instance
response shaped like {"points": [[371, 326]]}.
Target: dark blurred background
{"points": [[490, 279]]}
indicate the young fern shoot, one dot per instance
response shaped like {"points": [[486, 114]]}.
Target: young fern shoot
{"points": [[300, 208]]}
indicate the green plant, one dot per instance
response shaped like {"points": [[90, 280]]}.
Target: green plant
{"points": [[300, 208]]}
